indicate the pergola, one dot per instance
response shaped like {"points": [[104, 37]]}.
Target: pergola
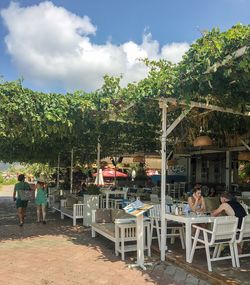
{"points": [[164, 104]]}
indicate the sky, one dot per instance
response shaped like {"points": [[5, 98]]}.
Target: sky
{"points": [[66, 45]]}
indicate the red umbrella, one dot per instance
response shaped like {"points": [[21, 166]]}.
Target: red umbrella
{"points": [[110, 173]]}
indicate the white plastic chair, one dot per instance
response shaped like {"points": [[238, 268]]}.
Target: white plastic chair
{"points": [[176, 229], [242, 236], [224, 232]]}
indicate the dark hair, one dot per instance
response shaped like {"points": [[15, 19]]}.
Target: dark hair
{"points": [[226, 195], [21, 177], [197, 187]]}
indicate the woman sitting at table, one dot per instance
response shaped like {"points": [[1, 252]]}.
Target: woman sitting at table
{"points": [[196, 201]]}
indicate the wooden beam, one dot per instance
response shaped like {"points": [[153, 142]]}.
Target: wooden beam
{"points": [[193, 104], [177, 121], [238, 53], [245, 144]]}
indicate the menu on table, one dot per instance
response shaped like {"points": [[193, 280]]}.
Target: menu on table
{"points": [[137, 208]]}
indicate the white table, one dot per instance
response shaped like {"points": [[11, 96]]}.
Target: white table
{"points": [[188, 220], [115, 192]]}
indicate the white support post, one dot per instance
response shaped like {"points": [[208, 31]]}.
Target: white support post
{"points": [[71, 171], [228, 170], [58, 172], [140, 241], [163, 179], [189, 173]]}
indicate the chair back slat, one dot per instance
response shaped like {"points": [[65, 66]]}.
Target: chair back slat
{"points": [[245, 229], [224, 229], [155, 211]]}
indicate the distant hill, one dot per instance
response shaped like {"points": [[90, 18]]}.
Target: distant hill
{"points": [[4, 166]]}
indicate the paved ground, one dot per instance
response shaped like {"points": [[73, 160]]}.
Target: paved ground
{"points": [[58, 253]]}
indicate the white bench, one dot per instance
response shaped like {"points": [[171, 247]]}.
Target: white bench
{"points": [[75, 212], [121, 231]]}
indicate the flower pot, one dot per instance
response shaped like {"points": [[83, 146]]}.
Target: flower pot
{"points": [[202, 141], [245, 155]]}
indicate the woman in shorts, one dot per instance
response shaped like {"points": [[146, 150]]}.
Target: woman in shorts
{"points": [[21, 205]]}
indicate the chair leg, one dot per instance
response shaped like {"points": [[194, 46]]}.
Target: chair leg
{"points": [[148, 240], [122, 244], [173, 232], [208, 257], [194, 245], [117, 240], [232, 254], [219, 250], [207, 251], [182, 238], [151, 230], [216, 248], [236, 255], [93, 234], [158, 233]]}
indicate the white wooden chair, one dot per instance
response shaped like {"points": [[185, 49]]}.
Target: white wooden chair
{"points": [[154, 198], [173, 190], [245, 194], [175, 229], [242, 236], [117, 202], [224, 232]]}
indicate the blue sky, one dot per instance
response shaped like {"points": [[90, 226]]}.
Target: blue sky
{"points": [[64, 45]]}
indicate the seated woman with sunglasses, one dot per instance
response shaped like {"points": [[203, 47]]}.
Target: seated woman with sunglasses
{"points": [[196, 201]]}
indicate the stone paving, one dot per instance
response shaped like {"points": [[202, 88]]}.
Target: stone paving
{"points": [[58, 253]]}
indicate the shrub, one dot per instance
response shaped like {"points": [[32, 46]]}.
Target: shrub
{"points": [[93, 190], [1, 178]]}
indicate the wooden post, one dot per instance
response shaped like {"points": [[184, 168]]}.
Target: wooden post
{"points": [[58, 172], [163, 179], [189, 173], [98, 160], [228, 170], [71, 171]]}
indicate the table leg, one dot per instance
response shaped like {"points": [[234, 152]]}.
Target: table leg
{"points": [[188, 241], [107, 200]]}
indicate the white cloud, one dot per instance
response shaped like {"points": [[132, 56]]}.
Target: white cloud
{"points": [[52, 47], [174, 51]]}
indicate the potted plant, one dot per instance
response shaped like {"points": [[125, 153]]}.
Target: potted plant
{"points": [[93, 189]]}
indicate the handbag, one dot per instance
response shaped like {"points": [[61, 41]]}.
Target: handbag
{"points": [[25, 195]]}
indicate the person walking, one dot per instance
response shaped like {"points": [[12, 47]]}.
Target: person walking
{"points": [[41, 201], [21, 202]]}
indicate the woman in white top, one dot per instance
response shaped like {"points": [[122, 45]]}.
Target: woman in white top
{"points": [[196, 201]]}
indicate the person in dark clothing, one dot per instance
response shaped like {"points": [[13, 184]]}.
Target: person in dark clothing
{"points": [[230, 207]]}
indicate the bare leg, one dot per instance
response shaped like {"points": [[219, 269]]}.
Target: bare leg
{"points": [[43, 212], [23, 213], [38, 213], [20, 215]]}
